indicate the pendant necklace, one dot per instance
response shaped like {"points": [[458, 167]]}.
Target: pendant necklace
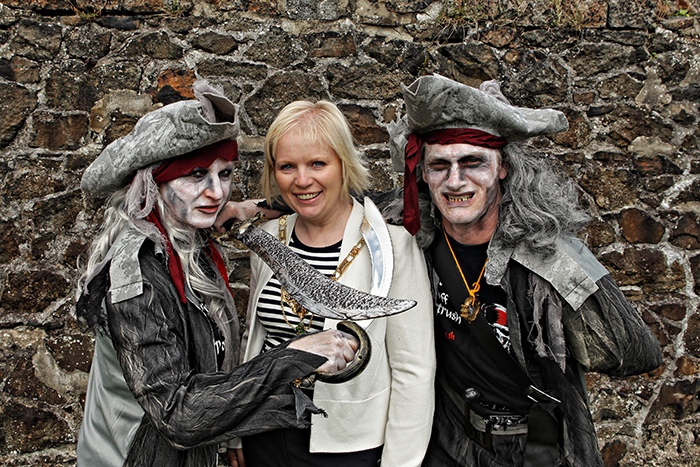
{"points": [[471, 306], [286, 299]]}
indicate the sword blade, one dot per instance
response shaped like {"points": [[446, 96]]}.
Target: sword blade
{"points": [[314, 291]]}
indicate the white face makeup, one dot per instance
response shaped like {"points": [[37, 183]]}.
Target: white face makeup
{"points": [[197, 198], [464, 184]]}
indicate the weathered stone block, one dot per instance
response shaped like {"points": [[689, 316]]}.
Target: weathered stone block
{"points": [[589, 59], [363, 125], [56, 213], [543, 84], [119, 125], [646, 267], [635, 14], [327, 10], [119, 74], [36, 182], [675, 401], [673, 311], [659, 184], [612, 453], [230, 69], [71, 351], [695, 268], [626, 123], [579, 132], [36, 41], [278, 91], [687, 232], [19, 69], [277, 48], [16, 103], [32, 291], [9, 235], [689, 194], [639, 227], [55, 131], [620, 86], [154, 45], [89, 41], [611, 188], [70, 92], [29, 429], [215, 43], [686, 367], [22, 382], [364, 81], [599, 233], [469, 63]]}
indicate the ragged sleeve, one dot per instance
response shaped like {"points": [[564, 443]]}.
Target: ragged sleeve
{"points": [[606, 334], [189, 408]]}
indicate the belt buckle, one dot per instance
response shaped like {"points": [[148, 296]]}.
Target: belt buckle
{"points": [[474, 434]]}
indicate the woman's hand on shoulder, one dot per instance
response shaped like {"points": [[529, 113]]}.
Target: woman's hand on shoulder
{"points": [[337, 346]]}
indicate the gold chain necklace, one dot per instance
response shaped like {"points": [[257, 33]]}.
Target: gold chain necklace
{"points": [[471, 306], [293, 305]]}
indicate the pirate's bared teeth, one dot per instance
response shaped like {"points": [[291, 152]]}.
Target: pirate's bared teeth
{"points": [[458, 199]]}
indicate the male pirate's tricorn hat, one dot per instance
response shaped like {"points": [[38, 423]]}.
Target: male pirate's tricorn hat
{"points": [[435, 103], [173, 130]]}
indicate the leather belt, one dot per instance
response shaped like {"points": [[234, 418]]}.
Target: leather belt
{"points": [[487, 425]]}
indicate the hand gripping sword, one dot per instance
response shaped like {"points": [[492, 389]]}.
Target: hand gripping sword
{"points": [[318, 293]]}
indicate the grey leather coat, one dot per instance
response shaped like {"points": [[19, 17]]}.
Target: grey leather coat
{"points": [[155, 396]]}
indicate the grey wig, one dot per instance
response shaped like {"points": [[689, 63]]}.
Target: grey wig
{"points": [[131, 205], [538, 205]]}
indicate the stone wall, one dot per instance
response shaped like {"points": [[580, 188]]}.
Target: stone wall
{"points": [[75, 75]]}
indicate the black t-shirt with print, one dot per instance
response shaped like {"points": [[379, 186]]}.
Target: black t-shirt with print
{"points": [[460, 358]]}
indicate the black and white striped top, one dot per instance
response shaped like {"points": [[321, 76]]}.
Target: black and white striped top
{"points": [[325, 260]]}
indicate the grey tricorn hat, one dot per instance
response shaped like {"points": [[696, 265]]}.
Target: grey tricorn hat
{"points": [[171, 131], [435, 102]]}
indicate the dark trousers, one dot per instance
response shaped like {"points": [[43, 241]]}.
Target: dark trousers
{"points": [[290, 448]]}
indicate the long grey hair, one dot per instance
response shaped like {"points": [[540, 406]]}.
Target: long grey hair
{"points": [[538, 205], [130, 206]]}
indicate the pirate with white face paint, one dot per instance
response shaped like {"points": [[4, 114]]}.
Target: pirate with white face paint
{"points": [[165, 388], [522, 306]]}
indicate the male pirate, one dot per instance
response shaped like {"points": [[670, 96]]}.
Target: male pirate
{"points": [[522, 306]]}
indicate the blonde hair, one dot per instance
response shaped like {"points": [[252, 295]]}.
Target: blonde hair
{"points": [[321, 121]]}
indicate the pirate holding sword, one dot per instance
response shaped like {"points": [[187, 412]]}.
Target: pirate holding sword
{"points": [[166, 387]]}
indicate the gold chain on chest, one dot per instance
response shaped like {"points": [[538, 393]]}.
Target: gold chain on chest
{"points": [[301, 312]]}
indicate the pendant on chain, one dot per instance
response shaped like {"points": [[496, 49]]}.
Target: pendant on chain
{"points": [[470, 309]]}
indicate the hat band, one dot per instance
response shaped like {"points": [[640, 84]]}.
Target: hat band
{"points": [[203, 157], [411, 213]]}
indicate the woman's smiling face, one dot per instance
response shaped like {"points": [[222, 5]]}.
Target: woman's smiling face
{"points": [[197, 198], [310, 177]]}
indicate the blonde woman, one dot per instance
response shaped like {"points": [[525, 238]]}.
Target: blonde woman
{"points": [[384, 413]]}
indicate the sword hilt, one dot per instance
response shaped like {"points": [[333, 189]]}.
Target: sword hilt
{"points": [[354, 368]]}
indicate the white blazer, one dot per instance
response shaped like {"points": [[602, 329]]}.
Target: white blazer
{"points": [[392, 401]]}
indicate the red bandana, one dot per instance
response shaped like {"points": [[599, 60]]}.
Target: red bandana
{"points": [[202, 157], [175, 266], [411, 214]]}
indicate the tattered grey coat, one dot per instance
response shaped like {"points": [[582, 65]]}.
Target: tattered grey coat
{"points": [[155, 397], [601, 331]]}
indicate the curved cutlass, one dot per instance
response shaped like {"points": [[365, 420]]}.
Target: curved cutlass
{"points": [[321, 295]]}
